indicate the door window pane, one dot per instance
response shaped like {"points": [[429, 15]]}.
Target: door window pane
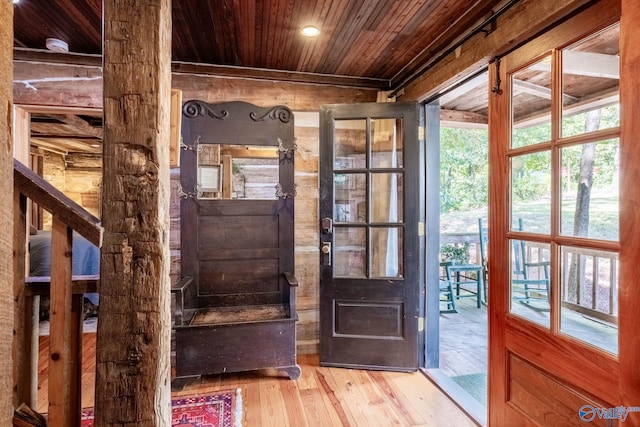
{"points": [[386, 197], [530, 280], [590, 198], [531, 192], [591, 83], [386, 143], [386, 252], [531, 104], [350, 141], [350, 197], [589, 309], [349, 252]]}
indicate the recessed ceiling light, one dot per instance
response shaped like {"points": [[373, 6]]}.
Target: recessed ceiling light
{"points": [[16, 1], [310, 31]]}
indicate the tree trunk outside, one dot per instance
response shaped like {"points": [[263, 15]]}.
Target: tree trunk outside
{"points": [[6, 213], [583, 200], [134, 331]]}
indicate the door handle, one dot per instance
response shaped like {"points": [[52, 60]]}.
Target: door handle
{"points": [[326, 253], [327, 225]]}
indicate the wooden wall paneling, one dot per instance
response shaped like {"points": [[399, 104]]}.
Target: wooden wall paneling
{"points": [[307, 257], [135, 291], [629, 291]]}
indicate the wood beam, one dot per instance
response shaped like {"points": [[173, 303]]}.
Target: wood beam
{"points": [[521, 86], [463, 119], [593, 102], [134, 333], [79, 123], [6, 216], [520, 23], [86, 60], [480, 80], [589, 64]]}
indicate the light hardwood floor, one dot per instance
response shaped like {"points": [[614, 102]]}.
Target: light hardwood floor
{"points": [[320, 397]]}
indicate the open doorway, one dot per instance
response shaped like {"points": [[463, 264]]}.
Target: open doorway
{"points": [[457, 135], [463, 219]]}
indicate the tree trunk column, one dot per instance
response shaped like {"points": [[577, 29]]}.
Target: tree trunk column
{"points": [[6, 213], [133, 343]]}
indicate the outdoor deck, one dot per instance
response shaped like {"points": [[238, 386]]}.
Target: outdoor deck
{"points": [[464, 343]]}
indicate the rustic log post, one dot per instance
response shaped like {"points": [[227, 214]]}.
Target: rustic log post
{"points": [[134, 330], [6, 213]]}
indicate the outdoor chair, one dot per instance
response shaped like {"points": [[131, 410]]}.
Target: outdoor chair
{"points": [[483, 239], [530, 280]]}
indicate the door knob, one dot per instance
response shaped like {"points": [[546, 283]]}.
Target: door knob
{"points": [[326, 253]]}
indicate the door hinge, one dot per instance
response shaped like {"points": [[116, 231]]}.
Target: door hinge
{"points": [[420, 324], [420, 133], [420, 229]]}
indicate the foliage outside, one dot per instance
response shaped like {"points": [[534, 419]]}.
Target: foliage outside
{"points": [[464, 179]]}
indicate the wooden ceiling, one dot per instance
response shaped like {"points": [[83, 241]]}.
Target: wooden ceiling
{"points": [[378, 43], [67, 133], [364, 43]]}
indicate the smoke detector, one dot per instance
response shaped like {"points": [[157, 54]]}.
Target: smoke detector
{"points": [[56, 45]]}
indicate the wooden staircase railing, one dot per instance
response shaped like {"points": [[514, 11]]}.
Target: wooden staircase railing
{"points": [[66, 295]]}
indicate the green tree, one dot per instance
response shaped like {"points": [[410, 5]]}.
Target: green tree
{"points": [[463, 169]]}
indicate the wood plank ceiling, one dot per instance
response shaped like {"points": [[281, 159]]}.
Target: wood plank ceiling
{"points": [[380, 41], [363, 43], [377, 44]]}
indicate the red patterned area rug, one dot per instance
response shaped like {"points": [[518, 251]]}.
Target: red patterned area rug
{"points": [[222, 409]]}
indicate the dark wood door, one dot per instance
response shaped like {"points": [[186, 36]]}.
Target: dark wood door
{"points": [[369, 183]]}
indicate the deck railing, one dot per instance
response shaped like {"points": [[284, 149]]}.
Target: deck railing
{"points": [[596, 276], [66, 296]]}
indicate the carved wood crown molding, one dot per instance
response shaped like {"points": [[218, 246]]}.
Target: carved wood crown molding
{"points": [[194, 108], [279, 112]]}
